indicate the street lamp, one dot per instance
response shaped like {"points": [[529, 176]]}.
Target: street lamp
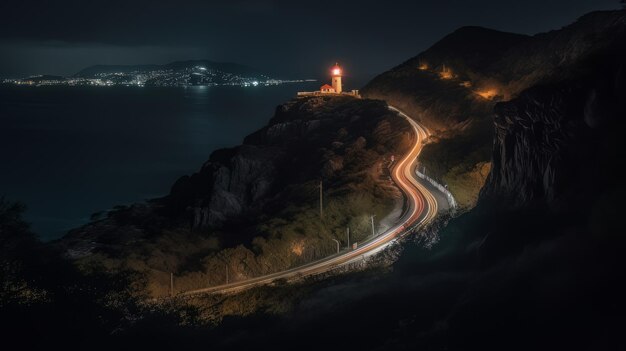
{"points": [[373, 231], [337, 241]]}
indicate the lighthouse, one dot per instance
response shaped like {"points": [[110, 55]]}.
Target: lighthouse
{"points": [[336, 74], [335, 89]]}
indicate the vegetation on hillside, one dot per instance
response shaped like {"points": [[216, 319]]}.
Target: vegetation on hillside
{"points": [[43, 296], [345, 142]]}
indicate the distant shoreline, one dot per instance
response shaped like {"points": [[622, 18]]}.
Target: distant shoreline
{"points": [[99, 83]]}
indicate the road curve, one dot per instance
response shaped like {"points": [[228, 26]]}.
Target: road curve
{"points": [[420, 208]]}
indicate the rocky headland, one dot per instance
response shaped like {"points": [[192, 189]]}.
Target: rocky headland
{"points": [[254, 208]]}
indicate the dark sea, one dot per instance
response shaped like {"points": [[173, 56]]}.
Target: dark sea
{"points": [[68, 152]]}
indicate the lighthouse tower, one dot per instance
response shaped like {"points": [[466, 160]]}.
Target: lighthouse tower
{"points": [[336, 73]]}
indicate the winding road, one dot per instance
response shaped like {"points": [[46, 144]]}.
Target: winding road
{"points": [[421, 206]]}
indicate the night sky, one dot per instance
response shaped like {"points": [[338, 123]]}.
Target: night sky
{"points": [[291, 39]]}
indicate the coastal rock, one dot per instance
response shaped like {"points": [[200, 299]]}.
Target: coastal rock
{"points": [[225, 188], [553, 141]]}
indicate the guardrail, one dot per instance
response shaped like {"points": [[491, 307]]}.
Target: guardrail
{"points": [[439, 187]]}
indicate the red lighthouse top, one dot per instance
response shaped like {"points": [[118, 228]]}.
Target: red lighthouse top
{"points": [[336, 70]]}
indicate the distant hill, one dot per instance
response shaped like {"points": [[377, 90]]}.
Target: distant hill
{"points": [[470, 47], [221, 66], [44, 78], [227, 67], [490, 59], [92, 71]]}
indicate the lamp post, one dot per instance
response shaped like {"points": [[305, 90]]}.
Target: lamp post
{"points": [[373, 231], [321, 200], [226, 266], [171, 284], [337, 241]]}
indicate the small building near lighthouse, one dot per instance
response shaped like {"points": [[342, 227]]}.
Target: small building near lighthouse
{"points": [[336, 87], [327, 89]]}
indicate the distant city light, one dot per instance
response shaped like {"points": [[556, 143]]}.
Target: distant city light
{"points": [[191, 76]]}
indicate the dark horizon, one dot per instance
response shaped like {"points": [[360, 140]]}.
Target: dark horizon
{"points": [[286, 39]]}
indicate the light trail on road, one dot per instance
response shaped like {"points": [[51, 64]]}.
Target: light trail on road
{"points": [[421, 209]]}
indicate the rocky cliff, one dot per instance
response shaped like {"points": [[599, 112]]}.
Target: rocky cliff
{"points": [[561, 143], [309, 139], [255, 207]]}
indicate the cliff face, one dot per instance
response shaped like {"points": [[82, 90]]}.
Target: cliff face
{"points": [[560, 143], [227, 186], [307, 140]]}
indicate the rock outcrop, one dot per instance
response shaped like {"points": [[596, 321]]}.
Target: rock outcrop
{"points": [[226, 187], [558, 143], [306, 140]]}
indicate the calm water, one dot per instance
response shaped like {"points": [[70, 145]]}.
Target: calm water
{"points": [[67, 152]]}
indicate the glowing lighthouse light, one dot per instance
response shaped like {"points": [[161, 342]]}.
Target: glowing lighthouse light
{"points": [[336, 70]]}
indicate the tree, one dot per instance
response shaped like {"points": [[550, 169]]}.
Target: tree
{"points": [[15, 234]]}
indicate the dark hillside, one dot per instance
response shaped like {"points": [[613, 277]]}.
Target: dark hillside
{"points": [[483, 67]]}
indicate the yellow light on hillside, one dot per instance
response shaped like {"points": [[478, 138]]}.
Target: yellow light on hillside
{"points": [[487, 94], [446, 73]]}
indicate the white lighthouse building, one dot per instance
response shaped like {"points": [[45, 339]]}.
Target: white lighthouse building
{"points": [[336, 74]]}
